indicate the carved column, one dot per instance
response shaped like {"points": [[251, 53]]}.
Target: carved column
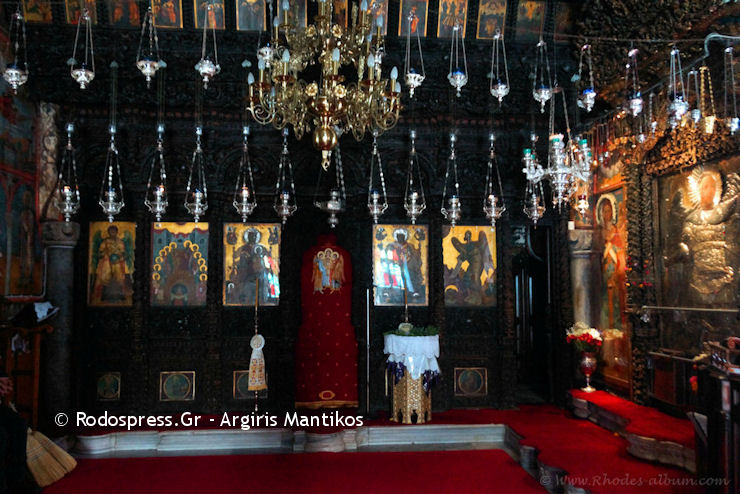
{"points": [[582, 258], [59, 240]]}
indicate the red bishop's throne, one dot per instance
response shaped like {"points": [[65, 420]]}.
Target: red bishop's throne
{"points": [[326, 351]]}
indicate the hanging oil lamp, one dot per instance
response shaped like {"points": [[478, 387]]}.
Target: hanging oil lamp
{"points": [[493, 205], [499, 85], [208, 66], [148, 61], [111, 189], [156, 186], [632, 83], [533, 206], [731, 115], [16, 72], [542, 82], [196, 191], [375, 207], [677, 104], [705, 87], [692, 81], [458, 74], [68, 191], [244, 193], [83, 72], [414, 201], [451, 208], [337, 200], [285, 197], [587, 97], [412, 76]]}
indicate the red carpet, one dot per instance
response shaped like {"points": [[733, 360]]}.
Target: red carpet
{"points": [[491, 471], [643, 421]]}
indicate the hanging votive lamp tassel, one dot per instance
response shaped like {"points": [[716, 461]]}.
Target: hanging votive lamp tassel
{"points": [[587, 97], [208, 65], [632, 83], [493, 205], [731, 116], [413, 76], [244, 194], [414, 201], [111, 189], [375, 207], [458, 74], [677, 104], [16, 70], [499, 86], [542, 83], [68, 191], [83, 71], [147, 57], [451, 208], [285, 197], [705, 87]]}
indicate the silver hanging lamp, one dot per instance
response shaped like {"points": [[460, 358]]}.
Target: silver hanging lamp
{"points": [[413, 200], [111, 189], [156, 186], [147, 59], [196, 191], [451, 208], [499, 84], [413, 76], [285, 198], [83, 71], [493, 204], [208, 66], [16, 69], [245, 200], [375, 207], [68, 191]]}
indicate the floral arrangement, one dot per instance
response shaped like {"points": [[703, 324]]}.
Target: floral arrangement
{"points": [[586, 339]]}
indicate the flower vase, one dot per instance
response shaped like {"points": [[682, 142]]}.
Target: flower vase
{"points": [[588, 366]]}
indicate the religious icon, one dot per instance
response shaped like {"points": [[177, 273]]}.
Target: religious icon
{"points": [[451, 13], [328, 271], [469, 254], [400, 264], [700, 245], [123, 13], [251, 15], [179, 264], [491, 18], [415, 13], [297, 14], [529, 20], [240, 386], [109, 386], [379, 7], [177, 386], [37, 11], [215, 15], [339, 14], [167, 13], [471, 382], [74, 8], [251, 260], [611, 219], [111, 263]]}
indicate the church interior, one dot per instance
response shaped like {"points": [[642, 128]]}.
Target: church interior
{"points": [[441, 245]]}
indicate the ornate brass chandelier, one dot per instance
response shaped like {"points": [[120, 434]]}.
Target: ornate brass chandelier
{"points": [[279, 96]]}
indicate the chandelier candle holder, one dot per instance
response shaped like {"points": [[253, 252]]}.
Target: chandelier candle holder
{"points": [[245, 199], [499, 85], [285, 197], [731, 115], [147, 59], [16, 71], [375, 207], [451, 208], [632, 84], [708, 111], [532, 170], [111, 188], [458, 74], [414, 201], [83, 71], [412, 76], [208, 66], [279, 96], [337, 200], [493, 205], [67, 190], [542, 82], [677, 104], [587, 97]]}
